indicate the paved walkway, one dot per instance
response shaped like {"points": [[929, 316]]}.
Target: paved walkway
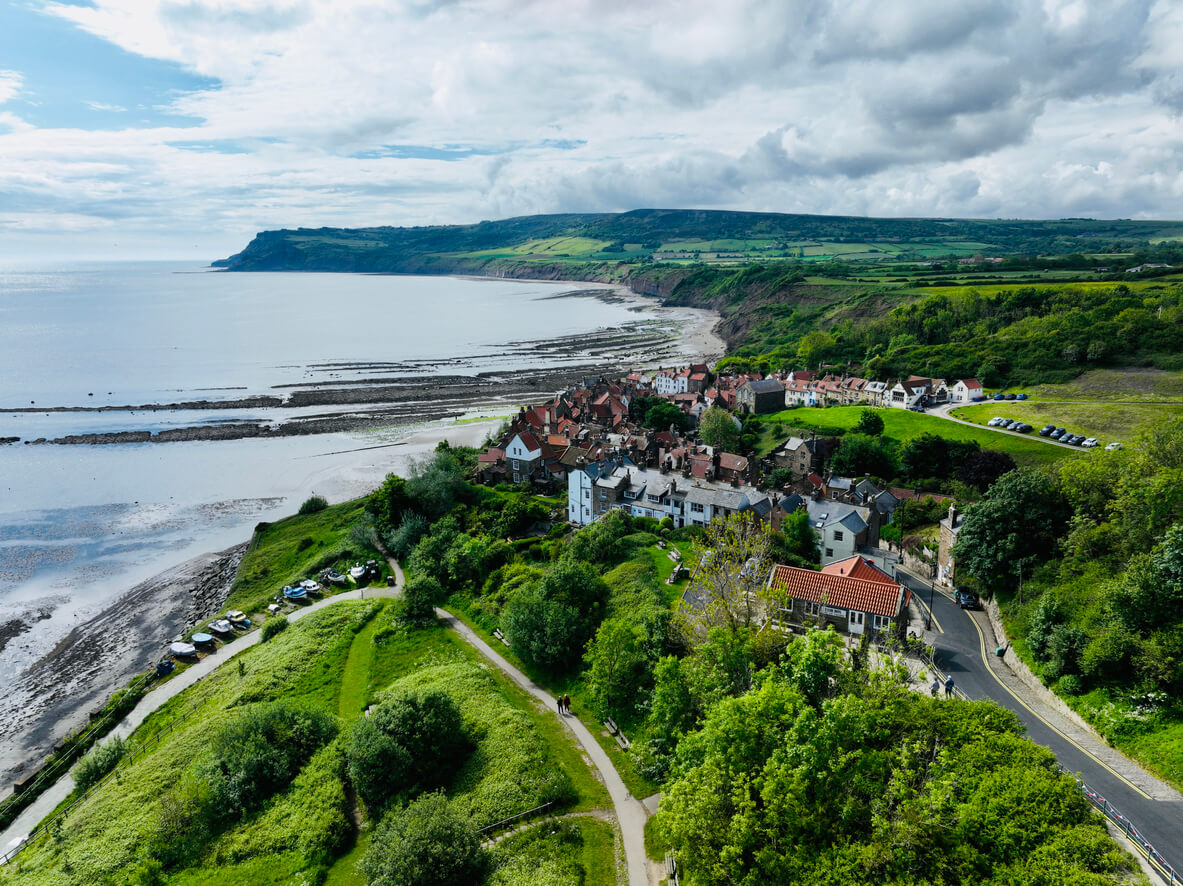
{"points": [[944, 410], [630, 811], [28, 820]]}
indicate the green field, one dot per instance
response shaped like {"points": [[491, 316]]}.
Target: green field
{"points": [[901, 424], [1124, 385], [519, 752], [1106, 421]]}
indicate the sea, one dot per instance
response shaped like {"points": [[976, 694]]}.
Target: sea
{"points": [[82, 524]]}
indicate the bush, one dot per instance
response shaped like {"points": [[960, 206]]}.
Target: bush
{"points": [[314, 504], [426, 844], [259, 753], [101, 760], [273, 626], [420, 597]]}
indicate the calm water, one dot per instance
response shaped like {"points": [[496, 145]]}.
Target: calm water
{"points": [[81, 524]]}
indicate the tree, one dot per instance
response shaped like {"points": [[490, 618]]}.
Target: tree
{"points": [[859, 454], [814, 347], [870, 423], [435, 483], [616, 662], [927, 455], [798, 537], [717, 428], [545, 634], [727, 589], [420, 597], [662, 413], [981, 469], [426, 844], [1019, 521]]}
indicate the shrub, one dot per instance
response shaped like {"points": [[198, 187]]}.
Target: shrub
{"points": [[314, 504], [426, 844], [101, 760], [273, 626], [422, 594]]}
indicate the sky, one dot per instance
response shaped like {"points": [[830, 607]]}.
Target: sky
{"points": [[178, 128]]}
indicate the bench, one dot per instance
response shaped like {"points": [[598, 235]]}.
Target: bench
{"points": [[615, 732], [500, 636], [612, 727]]}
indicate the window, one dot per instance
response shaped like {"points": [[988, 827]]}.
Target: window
{"points": [[695, 508], [587, 493], [837, 536], [856, 618], [882, 623], [515, 464], [517, 478], [829, 552], [809, 607], [603, 493]]}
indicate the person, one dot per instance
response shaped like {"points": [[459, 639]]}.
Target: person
{"points": [[559, 704], [567, 703], [948, 686], [936, 685]]}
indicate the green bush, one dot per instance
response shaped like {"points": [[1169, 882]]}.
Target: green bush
{"points": [[314, 504], [101, 760], [426, 844], [420, 597], [273, 626]]}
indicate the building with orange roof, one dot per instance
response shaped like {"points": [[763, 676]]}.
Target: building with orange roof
{"points": [[854, 606]]}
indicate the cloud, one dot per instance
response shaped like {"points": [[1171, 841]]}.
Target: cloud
{"points": [[10, 85], [358, 112], [100, 106]]}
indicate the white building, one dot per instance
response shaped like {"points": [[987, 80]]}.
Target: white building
{"points": [[524, 454], [965, 390]]}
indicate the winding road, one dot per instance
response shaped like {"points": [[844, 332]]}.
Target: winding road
{"points": [[965, 651]]}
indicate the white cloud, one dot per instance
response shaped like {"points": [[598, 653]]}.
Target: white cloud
{"points": [[101, 106], [914, 107]]}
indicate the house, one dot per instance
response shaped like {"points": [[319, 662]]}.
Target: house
{"points": [[760, 397], [965, 390], [686, 500], [858, 567], [800, 393], [852, 605], [842, 528], [799, 456], [950, 526], [524, 454]]}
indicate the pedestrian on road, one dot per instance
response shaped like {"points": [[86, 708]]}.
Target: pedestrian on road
{"points": [[559, 705], [948, 686], [567, 703], [936, 685]]}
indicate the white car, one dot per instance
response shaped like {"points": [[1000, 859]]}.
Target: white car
{"points": [[996, 421], [1112, 446], [1091, 442]]}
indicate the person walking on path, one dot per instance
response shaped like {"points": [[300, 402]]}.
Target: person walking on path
{"points": [[936, 686], [948, 686], [567, 703], [559, 705]]}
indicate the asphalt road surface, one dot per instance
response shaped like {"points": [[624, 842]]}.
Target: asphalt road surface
{"points": [[960, 654]]}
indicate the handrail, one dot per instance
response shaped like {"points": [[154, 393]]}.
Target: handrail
{"points": [[500, 824]]}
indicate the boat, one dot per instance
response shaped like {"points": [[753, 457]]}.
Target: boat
{"points": [[182, 650], [221, 627], [358, 572], [310, 587], [333, 577], [238, 618], [201, 639], [295, 593]]}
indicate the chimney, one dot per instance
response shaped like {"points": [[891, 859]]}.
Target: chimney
{"points": [[673, 486], [953, 514]]}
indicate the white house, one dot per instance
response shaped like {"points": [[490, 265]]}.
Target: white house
{"points": [[965, 390], [671, 381], [524, 454]]}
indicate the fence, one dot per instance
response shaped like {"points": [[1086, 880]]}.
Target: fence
{"points": [[132, 754], [1160, 865]]}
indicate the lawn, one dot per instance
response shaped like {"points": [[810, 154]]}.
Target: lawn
{"points": [[521, 754], [1127, 385], [298, 547], [1105, 421], [901, 424]]}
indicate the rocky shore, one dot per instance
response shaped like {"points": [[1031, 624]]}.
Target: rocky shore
{"points": [[54, 696]]}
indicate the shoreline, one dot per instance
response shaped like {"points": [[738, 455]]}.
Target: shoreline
{"points": [[52, 696]]}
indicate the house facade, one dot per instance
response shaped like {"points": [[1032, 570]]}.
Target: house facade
{"points": [[950, 526], [874, 604], [760, 397], [523, 454], [965, 390]]}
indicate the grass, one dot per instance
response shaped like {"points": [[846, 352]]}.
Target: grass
{"points": [[295, 548], [572, 852], [902, 424], [320, 661], [1106, 421], [1127, 385]]}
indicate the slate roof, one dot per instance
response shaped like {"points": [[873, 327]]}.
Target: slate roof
{"points": [[765, 386], [876, 597]]}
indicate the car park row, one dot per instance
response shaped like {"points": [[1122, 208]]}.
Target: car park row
{"points": [[1060, 435]]}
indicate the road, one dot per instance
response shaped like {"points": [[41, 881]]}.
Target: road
{"points": [[965, 652], [944, 409]]}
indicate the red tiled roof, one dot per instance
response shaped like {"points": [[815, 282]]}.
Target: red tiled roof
{"points": [[530, 442], [858, 567], [972, 383], [878, 598], [730, 462], [492, 455]]}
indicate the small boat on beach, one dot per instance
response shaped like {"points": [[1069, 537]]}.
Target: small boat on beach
{"points": [[221, 627], [182, 650], [295, 593], [332, 577], [202, 639], [358, 572], [238, 618], [310, 587]]}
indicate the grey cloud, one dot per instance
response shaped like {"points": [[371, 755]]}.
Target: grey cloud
{"points": [[266, 18]]}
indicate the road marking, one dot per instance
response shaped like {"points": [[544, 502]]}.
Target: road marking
{"points": [[931, 614], [1068, 738]]}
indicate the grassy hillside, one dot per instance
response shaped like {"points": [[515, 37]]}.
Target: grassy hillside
{"points": [[520, 756]]}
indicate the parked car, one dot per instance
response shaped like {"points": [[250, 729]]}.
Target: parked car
{"points": [[966, 599], [1077, 439], [1024, 428], [1058, 434], [1112, 446], [1010, 396], [1046, 430], [1000, 396], [1008, 423], [1020, 396], [1090, 442]]}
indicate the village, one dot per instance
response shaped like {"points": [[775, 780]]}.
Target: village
{"points": [[591, 441]]}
